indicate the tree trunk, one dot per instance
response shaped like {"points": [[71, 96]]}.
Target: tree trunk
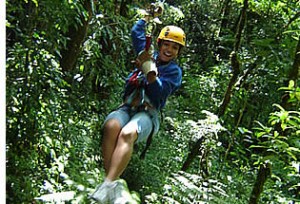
{"points": [[263, 173], [76, 34], [234, 61], [295, 71], [193, 153], [294, 74], [225, 11], [227, 97], [225, 16], [124, 8]]}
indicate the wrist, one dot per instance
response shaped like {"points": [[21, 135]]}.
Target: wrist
{"points": [[151, 77], [146, 18]]}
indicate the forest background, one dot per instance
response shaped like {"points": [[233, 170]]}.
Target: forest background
{"points": [[229, 135], [2, 102]]}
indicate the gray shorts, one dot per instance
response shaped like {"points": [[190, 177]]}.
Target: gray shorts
{"points": [[145, 121]]}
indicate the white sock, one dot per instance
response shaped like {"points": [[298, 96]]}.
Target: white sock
{"points": [[109, 182], [106, 180]]}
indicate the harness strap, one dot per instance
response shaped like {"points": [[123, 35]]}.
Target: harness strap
{"points": [[149, 140], [144, 103], [134, 78]]}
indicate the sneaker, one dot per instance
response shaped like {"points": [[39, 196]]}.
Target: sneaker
{"points": [[120, 193], [101, 194]]}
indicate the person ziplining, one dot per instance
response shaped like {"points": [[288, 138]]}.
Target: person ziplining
{"points": [[147, 88]]}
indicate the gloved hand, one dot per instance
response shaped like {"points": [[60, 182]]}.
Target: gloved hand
{"points": [[149, 66], [145, 62], [153, 12], [155, 9], [142, 57]]}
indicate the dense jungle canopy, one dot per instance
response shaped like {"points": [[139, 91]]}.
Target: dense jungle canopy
{"points": [[229, 135]]}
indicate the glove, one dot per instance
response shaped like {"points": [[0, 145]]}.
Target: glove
{"points": [[142, 57], [153, 12], [145, 62], [155, 9], [148, 67]]}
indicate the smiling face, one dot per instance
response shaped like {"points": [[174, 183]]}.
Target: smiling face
{"points": [[168, 50]]}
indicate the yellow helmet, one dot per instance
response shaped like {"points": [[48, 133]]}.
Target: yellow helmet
{"points": [[172, 33]]}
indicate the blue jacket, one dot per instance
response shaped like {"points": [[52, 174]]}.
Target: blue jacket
{"points": [[169, 75]]}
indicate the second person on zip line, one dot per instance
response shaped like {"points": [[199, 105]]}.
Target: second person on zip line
{"points": [[147, 88]]}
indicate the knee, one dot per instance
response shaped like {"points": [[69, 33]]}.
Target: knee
{"points": [[111, 124], [128, 135]]}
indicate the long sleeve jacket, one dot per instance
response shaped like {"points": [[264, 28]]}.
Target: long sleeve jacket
{"points": [[169, 75]]}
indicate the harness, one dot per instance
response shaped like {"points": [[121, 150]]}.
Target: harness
{"points": [[137, 97], [138, 100]]}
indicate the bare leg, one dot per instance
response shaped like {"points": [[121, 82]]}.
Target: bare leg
{"points": [[123, 151], [111, 131]]}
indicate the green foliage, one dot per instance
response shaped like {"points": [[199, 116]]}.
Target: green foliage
{"points": [[54, 118], [183, 187], [278, 143], [46, 135], [102, 66], [294, 94], [282, 144]]}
